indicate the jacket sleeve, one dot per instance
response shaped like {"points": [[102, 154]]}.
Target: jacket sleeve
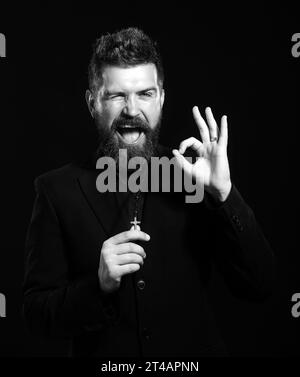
{"points": [[55, 305], [241, 253]]}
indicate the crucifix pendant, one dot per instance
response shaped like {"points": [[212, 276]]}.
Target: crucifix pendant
{"points": [[135, 225]]}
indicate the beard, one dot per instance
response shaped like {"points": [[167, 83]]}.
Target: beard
{"points": [[110, 142]]}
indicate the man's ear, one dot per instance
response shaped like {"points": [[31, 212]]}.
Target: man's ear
{"points": [[162, 97], [90, 102]]}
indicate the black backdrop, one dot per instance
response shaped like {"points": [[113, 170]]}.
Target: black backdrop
{"points": [[235, 59]]}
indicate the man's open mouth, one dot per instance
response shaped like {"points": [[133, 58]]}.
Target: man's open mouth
{"points": [[130, 134]]}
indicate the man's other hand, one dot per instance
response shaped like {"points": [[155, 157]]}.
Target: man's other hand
{"points": [[119, 256]]}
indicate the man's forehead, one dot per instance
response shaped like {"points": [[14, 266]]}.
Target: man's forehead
{"points": [[139, 76]]}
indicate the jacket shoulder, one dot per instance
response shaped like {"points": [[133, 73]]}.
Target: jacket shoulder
{"points": [[61, 176]]}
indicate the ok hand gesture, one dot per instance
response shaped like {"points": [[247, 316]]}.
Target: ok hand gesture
{"points": [[211, 167]]}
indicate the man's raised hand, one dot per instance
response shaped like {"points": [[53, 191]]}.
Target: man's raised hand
{"points": [[211, 168], [119, 256]]}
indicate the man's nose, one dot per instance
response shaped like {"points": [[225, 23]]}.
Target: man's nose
{"points": [[131, 107]]}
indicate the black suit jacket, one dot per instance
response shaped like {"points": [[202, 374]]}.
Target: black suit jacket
{"points": [[168, 314]]}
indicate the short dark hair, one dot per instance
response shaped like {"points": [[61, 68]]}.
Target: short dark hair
{"points": [[124, 48]]}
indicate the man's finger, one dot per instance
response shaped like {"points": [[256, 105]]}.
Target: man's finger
{"points": [[130, 247], [203, 129], [128, 268], [213, 127], [129, 258], [223, 139], [193, 143], [129, 235]]}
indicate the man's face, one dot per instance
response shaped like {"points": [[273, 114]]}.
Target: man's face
{"points": [[128, 109]]}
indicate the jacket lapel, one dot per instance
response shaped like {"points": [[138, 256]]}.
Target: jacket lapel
{"points": [[105, 206]]}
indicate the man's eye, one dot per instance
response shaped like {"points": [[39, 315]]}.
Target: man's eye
{"points": [[116, 96], [148, 94]]}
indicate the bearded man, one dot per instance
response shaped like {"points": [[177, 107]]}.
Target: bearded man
{"points": [[125, 274]]}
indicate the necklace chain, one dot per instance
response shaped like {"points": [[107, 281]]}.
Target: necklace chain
{"points": [[137, 199]]}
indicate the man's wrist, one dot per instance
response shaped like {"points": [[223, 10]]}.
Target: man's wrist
{"points": [[219, 196]]}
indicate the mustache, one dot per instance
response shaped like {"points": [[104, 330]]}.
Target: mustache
{"points": [[132, 122]]}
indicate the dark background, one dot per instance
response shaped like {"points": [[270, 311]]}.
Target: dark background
{"points": [[236, 59]]}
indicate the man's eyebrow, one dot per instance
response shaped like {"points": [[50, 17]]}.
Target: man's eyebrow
{"points": [[113, 92], [148, 90], [108, 92]]}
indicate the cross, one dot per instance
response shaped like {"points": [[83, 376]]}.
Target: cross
{"points": [[135, 223]]}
